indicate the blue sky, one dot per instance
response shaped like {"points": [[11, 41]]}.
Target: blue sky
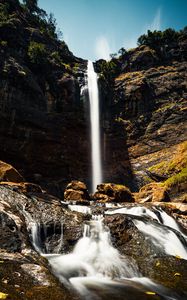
{"points": [[95, 28]]}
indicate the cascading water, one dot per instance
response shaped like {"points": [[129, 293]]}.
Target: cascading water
{"points": [[164, 237], [41, 240], [95, 127], [97, 270], [94, 255]]}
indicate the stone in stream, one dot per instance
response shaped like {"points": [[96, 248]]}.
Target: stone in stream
{"points": [[77, 190], [110, 192]]}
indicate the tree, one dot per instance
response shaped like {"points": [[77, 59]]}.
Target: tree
{"points": [[51, 25], [169, 35], [31, 5], [122, 51]]}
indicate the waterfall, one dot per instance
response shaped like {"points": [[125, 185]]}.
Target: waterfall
{"points": [[95, 128]]}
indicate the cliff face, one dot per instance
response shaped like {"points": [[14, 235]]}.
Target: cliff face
{"points": [[43, 129], [149, 102]]}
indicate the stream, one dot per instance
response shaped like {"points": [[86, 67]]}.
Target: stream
{"points": [[95, 269]]}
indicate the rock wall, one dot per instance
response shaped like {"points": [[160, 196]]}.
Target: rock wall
{"points": [[148, 104], [43, 130], [43, 134]]}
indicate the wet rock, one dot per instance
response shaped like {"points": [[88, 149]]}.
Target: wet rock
{"points": [[110, 192], [152, 261], [38, 282], [9, 173], [10, 238], [45, 211], [18, 259], [76, 190]]}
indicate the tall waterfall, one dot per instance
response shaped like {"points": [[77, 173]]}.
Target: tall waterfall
{"points": [[95, 128]]}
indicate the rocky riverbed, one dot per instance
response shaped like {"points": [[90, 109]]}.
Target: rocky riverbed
{"points": [[27, 213]]}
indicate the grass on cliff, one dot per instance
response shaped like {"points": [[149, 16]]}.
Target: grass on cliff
{"points": [[175, 168], [177, 179], [175, 165]]}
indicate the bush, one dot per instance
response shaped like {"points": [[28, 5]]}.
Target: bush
{"points": [[109, 69], [37, 53], [3, 13], [155, 39]]}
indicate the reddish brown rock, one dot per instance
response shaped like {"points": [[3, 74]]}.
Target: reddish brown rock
{"points": [[23, 187], [77, 185], [110, 192], [9, 173], [152, 192], [76, 190]]}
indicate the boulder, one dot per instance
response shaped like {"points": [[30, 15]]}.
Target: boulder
{"points": [[9, 173], [23, 187], [152, 192], [77, 185], [76, 190], [110, 192]]}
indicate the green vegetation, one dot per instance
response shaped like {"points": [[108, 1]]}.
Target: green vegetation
{"points": [[176, 179], [159, 168], [39, 18], [175, 168], [156, 39], [37, 53], [109, 69], [3, 44], [3, 13]]}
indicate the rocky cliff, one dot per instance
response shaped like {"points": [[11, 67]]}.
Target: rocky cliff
{"points": [[43, 130], [148, 104]]}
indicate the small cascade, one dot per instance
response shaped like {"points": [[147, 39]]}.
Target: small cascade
{"points": [[168, 237], [80, 208], [95, 126], [41, 234], [135, 211], [93, 255], [163, 238], [97, 270], [36, 237]]}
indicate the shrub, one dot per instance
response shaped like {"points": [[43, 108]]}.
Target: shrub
{"points": [[37, 53], [3, 13], [55, 57], [155, 39], [3, 44], [109, 69]]}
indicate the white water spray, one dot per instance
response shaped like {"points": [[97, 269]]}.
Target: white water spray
{"points": [[95, 128]]}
